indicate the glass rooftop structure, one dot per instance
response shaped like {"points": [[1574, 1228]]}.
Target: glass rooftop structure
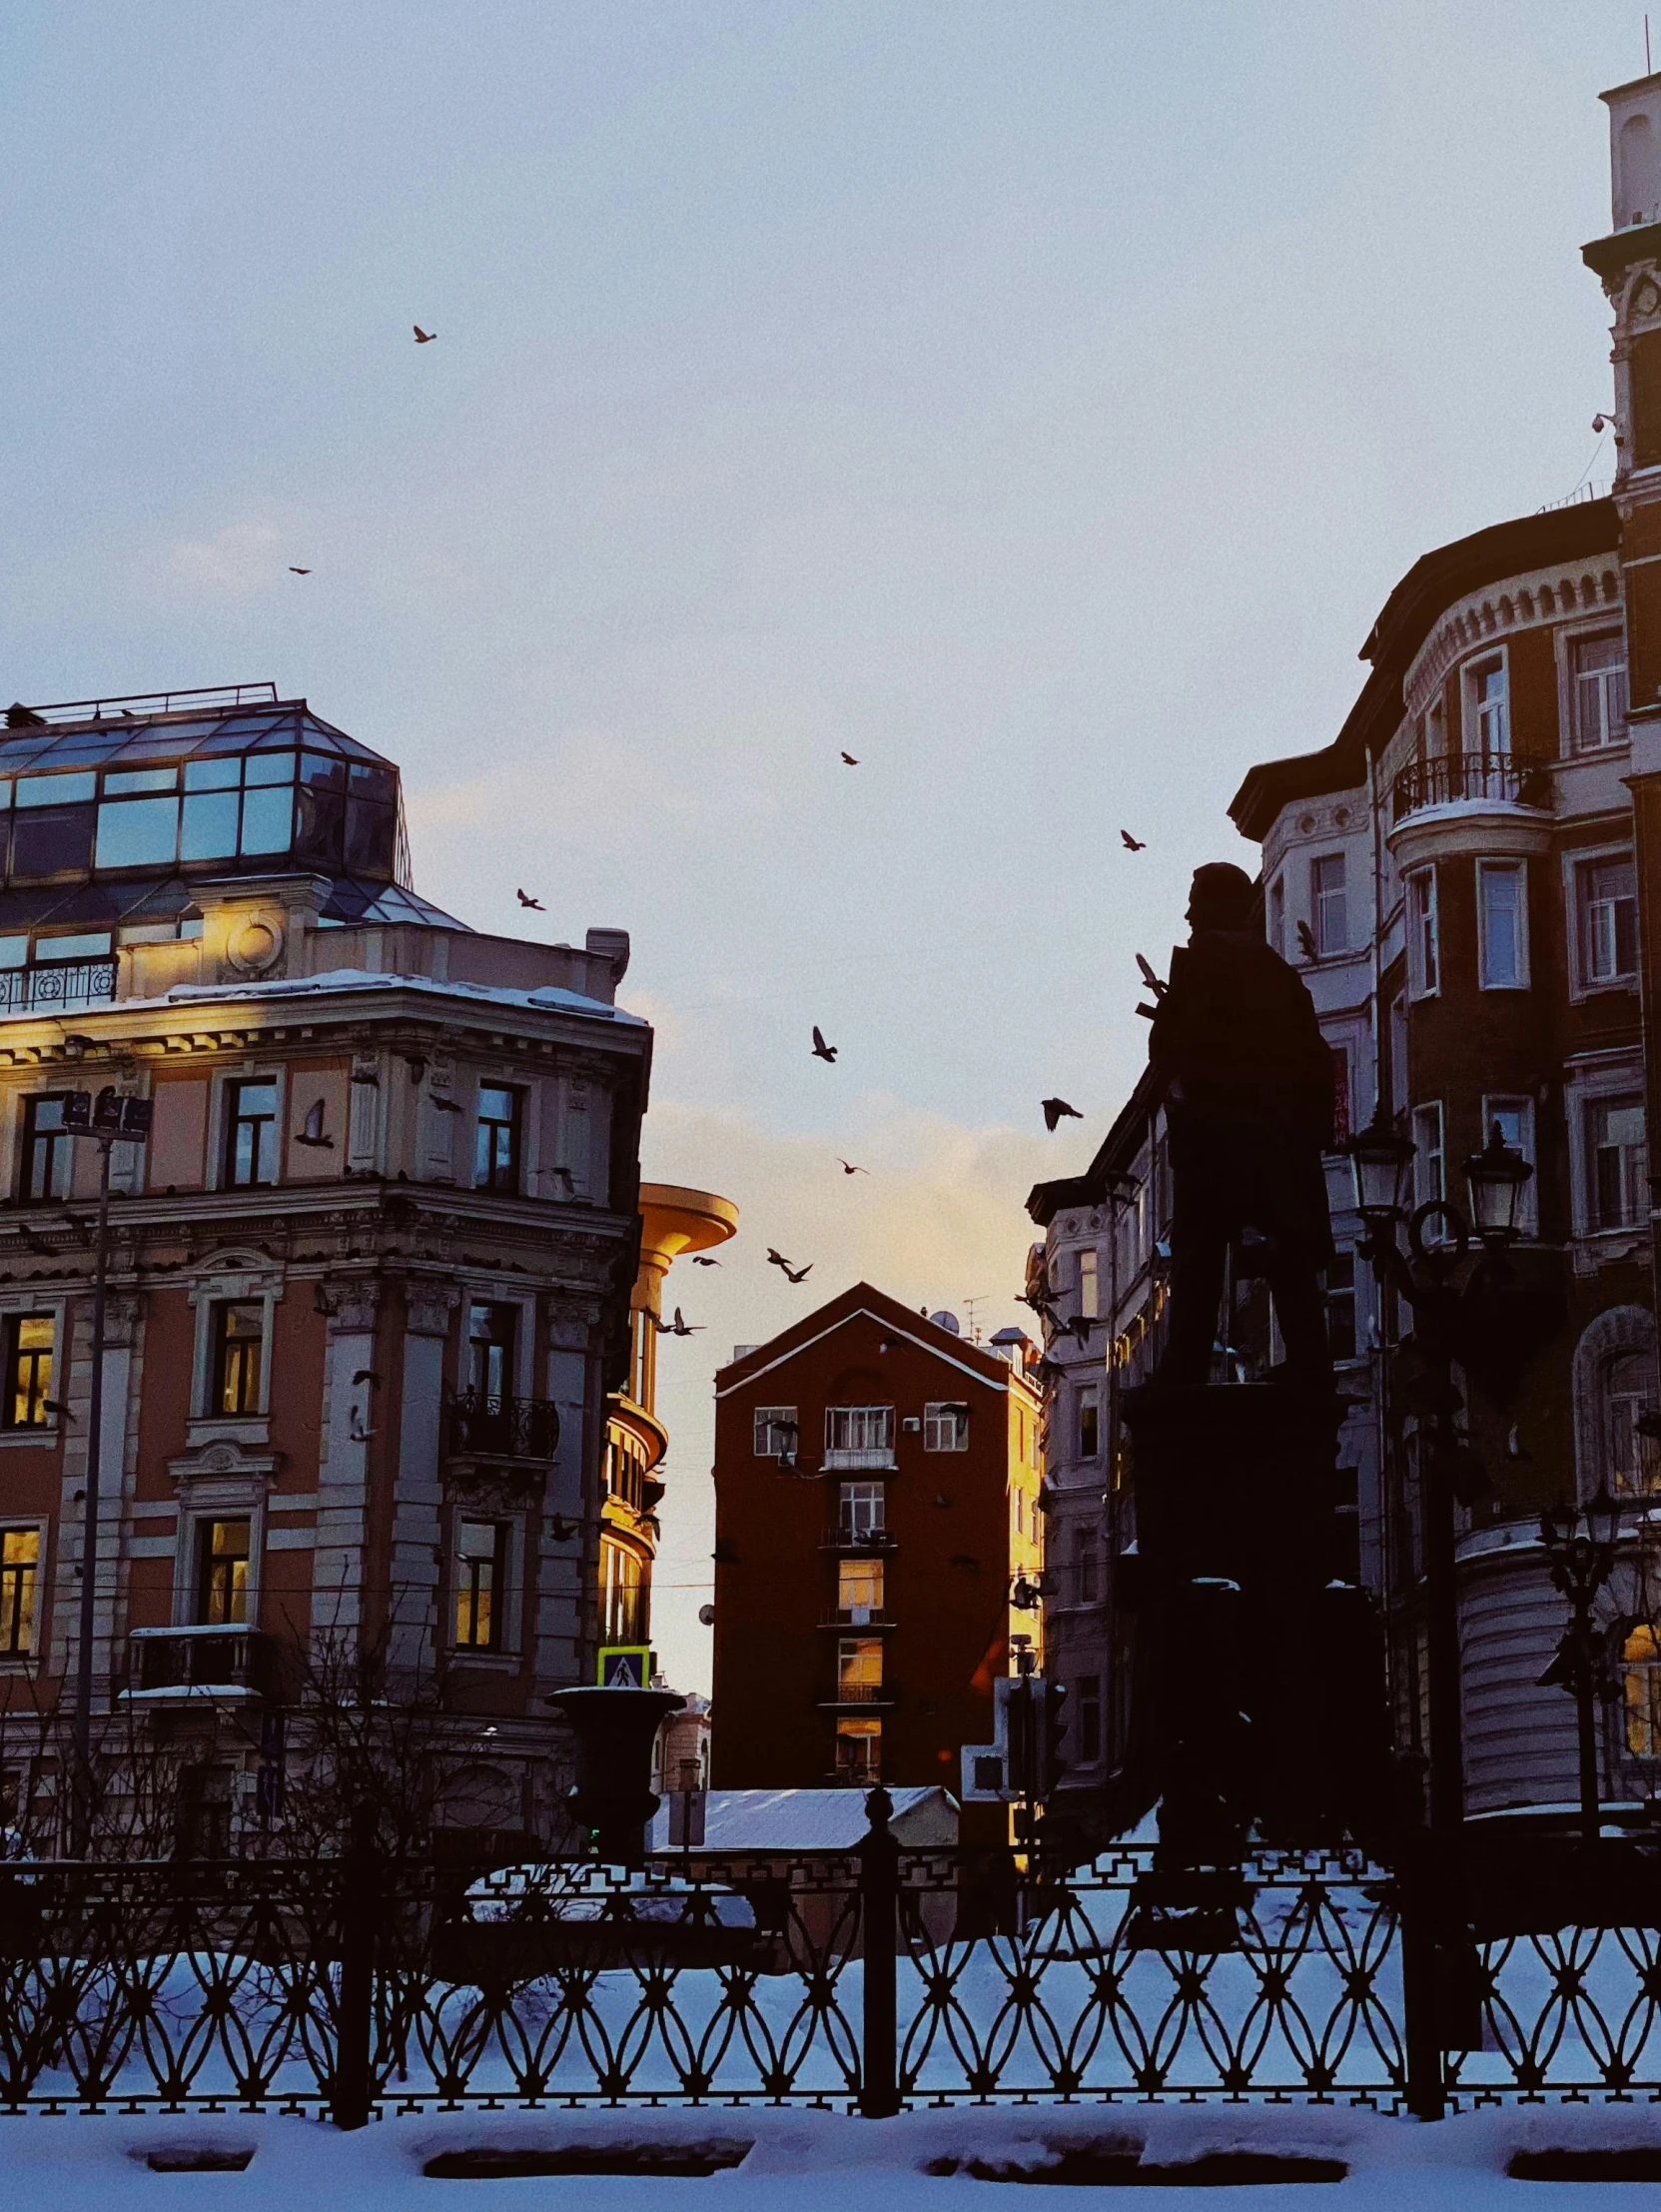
{"points": [[111, 809]]}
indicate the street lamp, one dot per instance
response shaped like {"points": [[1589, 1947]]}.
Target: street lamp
{"points": [[1495, 1176], [1580, 1549]]}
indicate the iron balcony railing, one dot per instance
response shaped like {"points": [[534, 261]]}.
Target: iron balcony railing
{"points": [[502, 1428], [841, 1536], [59, 986], [858, 1616], [861, 1694], [1460, 777], [201, 1660]]}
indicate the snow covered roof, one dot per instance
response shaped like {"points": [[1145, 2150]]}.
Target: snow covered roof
{"points": [[550, 997], [812, 1820]]}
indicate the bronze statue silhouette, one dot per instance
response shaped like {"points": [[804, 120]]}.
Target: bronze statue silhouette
{"points": [[1248, 1106]]}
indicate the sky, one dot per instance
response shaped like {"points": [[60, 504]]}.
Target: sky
{"points": [[1036, 401]]}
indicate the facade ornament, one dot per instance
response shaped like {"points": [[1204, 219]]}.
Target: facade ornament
{"points": [[429, 1304]]}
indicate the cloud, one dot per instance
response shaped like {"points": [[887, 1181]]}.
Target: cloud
{"points": [[241, 560]]}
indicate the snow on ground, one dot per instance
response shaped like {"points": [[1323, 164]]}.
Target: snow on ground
{"points": [[811, 2161]]}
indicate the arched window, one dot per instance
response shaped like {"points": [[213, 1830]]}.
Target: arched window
{"points": [[1628, 1393], [1614, 1386], [1641, 1690]]}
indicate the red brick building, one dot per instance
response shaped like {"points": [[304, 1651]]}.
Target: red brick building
{"points": [[878, 1545]]}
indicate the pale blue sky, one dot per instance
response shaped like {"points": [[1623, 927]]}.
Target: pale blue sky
{"points": [[1036, 400]]}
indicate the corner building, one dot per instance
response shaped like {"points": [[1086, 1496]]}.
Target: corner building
{"points": [[369, 1280]]}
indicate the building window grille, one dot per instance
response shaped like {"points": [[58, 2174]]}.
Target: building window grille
{"points": [[858, 1591], [47, 1147], [1617, 1162], [775, 1432], [1490, 708], [1090, 1425], [250, 1135], [1089, 1286], [238, 1357], [481, 1561], [19, 1566], [945, 1426], [1090, 1719], [858, 1753], [858, 1667], [859, 1436], [30, 1339], [1628, 1393], [1641, 1690], [491, 1331], [1329, 903], [1502, 927], [222, 1573], [861, 1510], [496, 1154], [1599, 684], [1423, 934], [1341, 1305], [1606, 894], [1429, 1166]]}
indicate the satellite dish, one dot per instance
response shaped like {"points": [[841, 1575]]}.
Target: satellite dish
{"points": [[706, 1616], [948, 1322]]}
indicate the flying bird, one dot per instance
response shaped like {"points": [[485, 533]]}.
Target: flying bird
{"points": [[312, 1133], [777, 1259], [1132, 844], [1306, 942], [524, 898], [294, 571], [821, 1050], [702, 1259], [1056, 1108], [851, 761], [848, 1168], [680, 1328], [424, 338], [1076, 1326], [798, 1274]]}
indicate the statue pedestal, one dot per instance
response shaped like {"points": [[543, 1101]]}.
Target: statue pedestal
{"points": [[1258, 1698]]}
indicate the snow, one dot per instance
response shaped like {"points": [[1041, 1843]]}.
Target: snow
{"points": [[547, 996], [811, 1820]]}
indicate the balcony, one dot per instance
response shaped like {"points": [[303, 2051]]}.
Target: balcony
{"points": [[56, 987], [858, 1616], [482, 1428], [842, 1536], [224, 1663], [859, 1696], [854, 1459], [1465, 779]]}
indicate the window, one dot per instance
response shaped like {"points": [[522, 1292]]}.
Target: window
{"points": [[775, 1432], [1597, 676], [1090, 1423], [481, 1561], [858, 1753], [29, 1346], [1502, 925], [1429, 1172], [1606, 899], [250, 1135], [946, 1427], [1346, 1514], [1087, 1560], [1617, 1162], [1514, 1118], [1398, 1054], [1090, 1718], [1436, 730], [858, 1669], [1424, 968], [238, 1357], [859, 1436], [1329, 903], [861, 1510], [1341, 1305], [1629, 1393], [1641, 1689], [19, 1565], [496, 1157], [1277, 915], [222, 1573], [858, 1590], [47, 1147], [492, 1330], [1490, 708], [625, 1596]]}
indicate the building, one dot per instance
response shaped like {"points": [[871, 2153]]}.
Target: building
{"points": [[368, 1288], [877, 1549]]}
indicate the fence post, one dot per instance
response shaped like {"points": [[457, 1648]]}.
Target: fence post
{"points": [[1421, 1964], [349, 2101], [878, 1893]]}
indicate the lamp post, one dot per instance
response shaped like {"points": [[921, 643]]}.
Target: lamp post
{"points": [[1381, 1159], [1580, 1549]]}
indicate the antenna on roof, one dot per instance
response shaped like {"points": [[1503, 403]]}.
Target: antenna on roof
{"points": [[1648, 66], [969, 1306]]}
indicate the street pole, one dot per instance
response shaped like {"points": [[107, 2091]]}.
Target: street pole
{"points": [[82, 1828], [1441, 1590]]}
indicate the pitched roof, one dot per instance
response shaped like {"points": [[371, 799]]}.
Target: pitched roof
{"points": [[847, 1306]]}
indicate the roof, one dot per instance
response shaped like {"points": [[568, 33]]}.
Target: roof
{"points": [[811, 1820], [1406, 619], [548, 997], [176, 726], [862, 1299], [1112, 1158]]}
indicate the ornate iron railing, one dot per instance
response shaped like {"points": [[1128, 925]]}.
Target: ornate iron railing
{"points": [[502, 1428], [1461, 776], [67, 984], [865, 1981]]}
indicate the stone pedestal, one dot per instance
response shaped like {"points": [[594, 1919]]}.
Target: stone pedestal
{"points": [[1259, 1696]]}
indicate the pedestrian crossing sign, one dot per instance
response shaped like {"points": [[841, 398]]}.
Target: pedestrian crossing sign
{"points": [[625, 1666]]}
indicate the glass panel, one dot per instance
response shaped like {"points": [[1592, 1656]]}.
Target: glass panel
{"points": [[209, 826], [369, 838], [267, 767], [5, 791], [212, 776], [87, 944], [127, 782], [55, 790], [55, 842], [268, 821], [138, 833], [14, 952], [319, 822]]}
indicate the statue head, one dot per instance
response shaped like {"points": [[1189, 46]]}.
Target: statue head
{"points": [[1221, 897]]}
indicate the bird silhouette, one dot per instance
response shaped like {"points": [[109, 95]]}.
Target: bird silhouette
{"points": [[682, 1328], [776, 1259], [821, 1050], [1306, 942], [1076, 1326], [849, 758], [1056, 1108], [848, 1168], [1132, 844], [424, 338], [702, 1259], [524, 898], [294, 571], [312, 1133], [798, 1274]]}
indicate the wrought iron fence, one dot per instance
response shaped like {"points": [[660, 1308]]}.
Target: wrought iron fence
{"points": [[505, 1428], [863, 1982], [62, 985], [1452, 777]]}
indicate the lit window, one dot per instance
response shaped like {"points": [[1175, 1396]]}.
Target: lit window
{"points": [[1606, 894], [30, 1340], [858, 1590], [861, 1510], [480, 1556], [1617, 1162], [1490, 708], [858, 1753], [19, 1566], [1598, 676], [1329, 903], [858, 1669], [238, 1348], [1089, 1289], [250, 1135], [1502, 929], [1423, 942], [775, 1432], [1430, 1175], [222, 1574], [625, 1595], [497, 1156], [946, 1427], [1641, 1687]]}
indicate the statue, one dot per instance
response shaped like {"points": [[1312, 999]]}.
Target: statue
{"points": [[1248, 1106]]}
